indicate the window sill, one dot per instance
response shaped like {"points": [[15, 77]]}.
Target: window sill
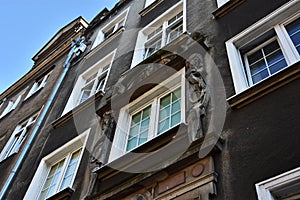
{"points": [[150, 7], [6, 114], [62, 195], [33, 94], [118, 167], [227, 7], [77, 109], [105, 42], [157, 144], [266, 86]]}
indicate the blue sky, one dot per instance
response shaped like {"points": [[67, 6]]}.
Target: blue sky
{"points": [[26, 25]]}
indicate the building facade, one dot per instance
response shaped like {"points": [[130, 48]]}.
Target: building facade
{"points": [[25, 106], [174, 99]]}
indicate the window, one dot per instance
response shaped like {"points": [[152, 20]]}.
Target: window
{"points": [[111, 28], [265, 48], [221, 2], [12, 104], [161, 32], [39, 84], [57, 171], [64, 171], [17, 138], [90, 82], [152, 114], [282, 187]]}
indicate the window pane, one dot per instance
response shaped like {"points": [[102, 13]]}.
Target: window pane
{"points": [[293, 30], [258, 66], [163, 125], [152, 48], [145, 124], [176, 106], [138, 133], [51, 181], [260, 76], [165, 101], [109, 32], [132, 143], [278, 66], [143, 138], [271, 47], [266, 61], [175, 119], [274, 57], [100, 85], [86, 92], [169, 113], [174, 33], [134, 131], [70, 170], [164, 112], [136, 118]]}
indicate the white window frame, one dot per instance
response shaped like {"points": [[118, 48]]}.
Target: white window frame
{"points": [[75, 97], [152, 98], [11, 105], [221, 2], [162, 20], [276, 20], [265, 188], [38, 85], [37, 183], [17, 138], [115, 25]]}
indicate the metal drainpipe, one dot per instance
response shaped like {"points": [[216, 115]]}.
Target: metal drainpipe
{"points": [[40, 120]]}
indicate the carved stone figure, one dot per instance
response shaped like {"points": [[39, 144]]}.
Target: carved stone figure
{"points": [[197, 96], [100, 151]]}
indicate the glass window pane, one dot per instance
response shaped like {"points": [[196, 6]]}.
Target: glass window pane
{"points": [[254, 57], [164, 112], [278, 66], [266, 61], [146, 112], [271, 47], [68, 176], [136, 118], [132, 143], [134, 131], [163, 125], [274, 57], [257, 66], [176, 94], [175, 119], [52, 180], [145, 124], [143, 137], [100, 85], [260, 76], [176, 106], [293, 30], [165, 101], [138, 133]]}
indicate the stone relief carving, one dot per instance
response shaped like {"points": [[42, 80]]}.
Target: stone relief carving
{"points": [[101, 148], [197, 96]]}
